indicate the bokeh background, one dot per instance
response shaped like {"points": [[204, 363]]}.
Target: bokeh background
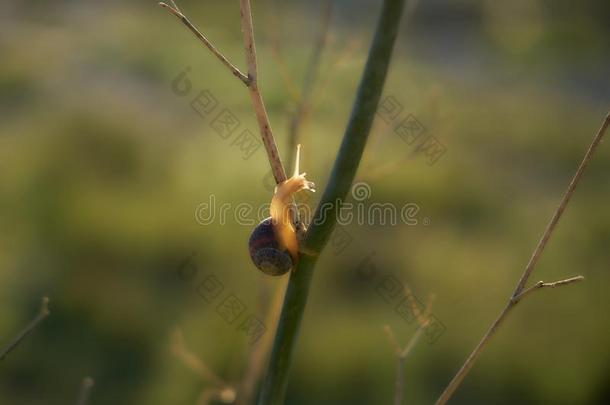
{"points": [[103, 164]]}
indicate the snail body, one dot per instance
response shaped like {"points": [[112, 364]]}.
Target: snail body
{"points": [[273, 245]]}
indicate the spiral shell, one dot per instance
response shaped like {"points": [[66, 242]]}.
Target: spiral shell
{"points": [[265, 251]]}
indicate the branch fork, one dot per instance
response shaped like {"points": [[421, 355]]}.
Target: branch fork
{"points": [[274, 386], [520, 290], [250, 79], [541, 284], [423, 321]]}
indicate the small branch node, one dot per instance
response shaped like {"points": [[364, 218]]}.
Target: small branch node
{"points": [[541, 284], [249, 79], [184, 20]]}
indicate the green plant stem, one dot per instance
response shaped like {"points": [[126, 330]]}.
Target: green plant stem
{"points": [[344, 170]]}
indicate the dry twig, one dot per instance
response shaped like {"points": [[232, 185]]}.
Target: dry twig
{"points": [[287, 78], [176, 11], [423, 321], [255, 94], [42, 314], [250, 80], [220, 389], [193, 362], [542, 284], [260, 353], [520, 291]]}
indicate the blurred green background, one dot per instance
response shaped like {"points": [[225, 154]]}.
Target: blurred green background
{"points": [[102, 167]]}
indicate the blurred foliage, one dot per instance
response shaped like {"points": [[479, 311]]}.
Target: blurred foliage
{"points": [[102, 167]]}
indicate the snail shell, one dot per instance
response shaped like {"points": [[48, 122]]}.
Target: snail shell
{"points": [[265, 250], [273, 245]]}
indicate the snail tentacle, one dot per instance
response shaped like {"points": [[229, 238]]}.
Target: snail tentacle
{"points": [[274, 244]]}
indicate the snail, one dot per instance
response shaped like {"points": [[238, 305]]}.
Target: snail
{"points": [[273, 244]]}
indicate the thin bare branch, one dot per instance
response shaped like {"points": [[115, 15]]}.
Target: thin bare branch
{"points": [[520, 291], [260, 352], [85, 390], [276, 51], [399, 384], [176, 12], [542, 284], [420, 316], [399, 392], [343, 57], [250, 80], [257, 99], [414, 339], [287, 78], [175, 6], [42, 314], [220, 389], [392, 339], [192, 361], [423, 321], [249, 44], [400, 362], [562, 206]]}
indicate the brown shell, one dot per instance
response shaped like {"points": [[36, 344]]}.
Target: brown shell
{"points": [[265, 250]]}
